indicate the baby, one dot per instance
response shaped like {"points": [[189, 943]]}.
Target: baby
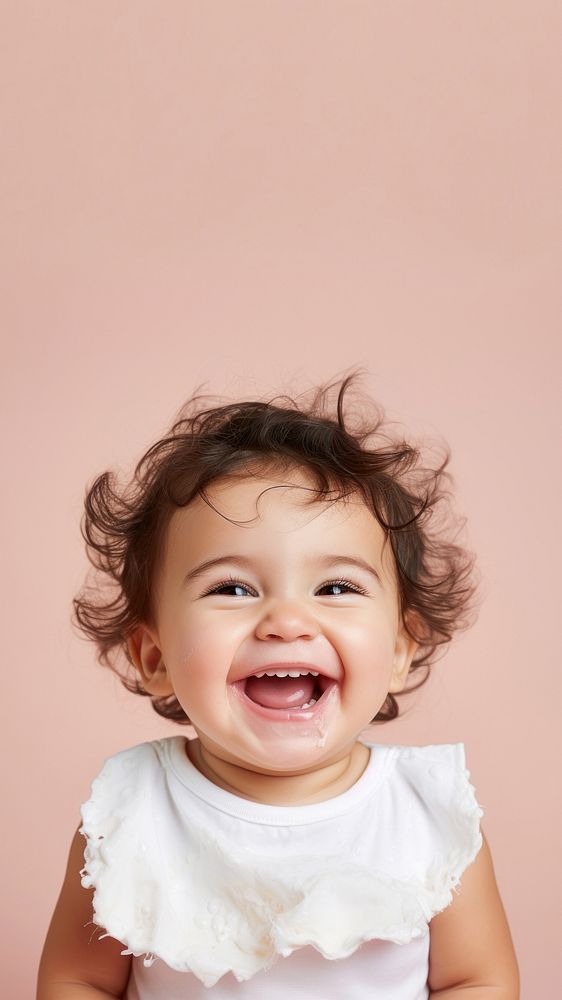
{"points": [[277, 577]]}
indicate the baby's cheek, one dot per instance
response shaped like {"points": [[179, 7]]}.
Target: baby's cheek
{"points": [[370, 645], [187, 651], [190, 641]]}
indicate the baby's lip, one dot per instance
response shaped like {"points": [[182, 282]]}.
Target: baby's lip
{"points": [[323, 671]]}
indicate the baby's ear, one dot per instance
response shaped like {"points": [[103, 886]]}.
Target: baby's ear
{"points": [[404, 652], [147, 658]]}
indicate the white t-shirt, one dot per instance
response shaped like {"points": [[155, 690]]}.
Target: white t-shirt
{"points": [[221, 897]]}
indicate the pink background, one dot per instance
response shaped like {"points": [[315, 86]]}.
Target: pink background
{"points": [[259, 196]]}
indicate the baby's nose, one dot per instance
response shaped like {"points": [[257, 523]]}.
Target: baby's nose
{"points": [[287, 620]]}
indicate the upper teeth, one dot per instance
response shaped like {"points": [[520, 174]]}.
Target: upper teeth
{"points": [[287, 673]]}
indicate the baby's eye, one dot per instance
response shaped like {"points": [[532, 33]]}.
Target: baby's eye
{"points": [[228, 585], [232, 588], [343, 586]]}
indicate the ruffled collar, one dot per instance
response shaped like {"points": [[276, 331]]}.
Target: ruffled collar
{"points": [[170, 888]]}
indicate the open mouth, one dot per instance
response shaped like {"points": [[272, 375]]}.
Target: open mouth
{"points": [[284, 697]]}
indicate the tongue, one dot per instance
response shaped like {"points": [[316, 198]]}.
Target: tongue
{"points": [[280, 692]]}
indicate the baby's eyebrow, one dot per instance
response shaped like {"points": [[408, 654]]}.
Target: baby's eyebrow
{"points": [[332, 560], [325, 561], [202, 568]]}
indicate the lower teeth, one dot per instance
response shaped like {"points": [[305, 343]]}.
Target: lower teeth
{"points": [[309, 704]]}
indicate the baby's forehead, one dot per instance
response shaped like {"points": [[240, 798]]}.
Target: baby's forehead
{"points": [[273, 510], [273, 496]]}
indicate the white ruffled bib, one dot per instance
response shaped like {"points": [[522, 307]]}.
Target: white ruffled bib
{"points": [[211, 883]]}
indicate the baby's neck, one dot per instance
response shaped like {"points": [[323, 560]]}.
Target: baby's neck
{"points": [[281, 790]]}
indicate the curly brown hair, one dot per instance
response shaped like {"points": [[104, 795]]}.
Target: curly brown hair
{"points": [[125, 528]]}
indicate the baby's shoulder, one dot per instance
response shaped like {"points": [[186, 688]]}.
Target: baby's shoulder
{"points": [[436, 775], [453, 753], [137, 760], [432, 763], [425, 812], [123, 786]]}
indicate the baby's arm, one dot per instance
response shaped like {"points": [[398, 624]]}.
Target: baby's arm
{"points": [[74, 963], [471, 952]]}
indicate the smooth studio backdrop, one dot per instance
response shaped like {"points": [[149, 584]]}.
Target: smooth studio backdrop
{"points": [[259, 196]]}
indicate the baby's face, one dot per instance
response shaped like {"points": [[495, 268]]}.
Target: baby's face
{"points": [[313, 588]]}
